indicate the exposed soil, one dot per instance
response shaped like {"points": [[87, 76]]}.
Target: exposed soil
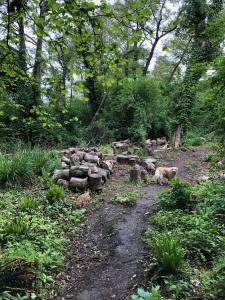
{"points": [[109, 256]]}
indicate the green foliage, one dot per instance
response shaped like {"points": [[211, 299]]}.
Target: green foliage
{"points": [[127, 198], [154, 294], [28, 203], [193, 139], [17, 226], [54, 193], [168, 252], [135, 108], [20, 168], [178, 196]]}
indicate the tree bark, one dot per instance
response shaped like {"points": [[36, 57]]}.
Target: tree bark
{"points": [[37, 71], [176, 140]]}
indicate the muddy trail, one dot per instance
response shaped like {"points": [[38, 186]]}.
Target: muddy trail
{"points": [[109, 257]]}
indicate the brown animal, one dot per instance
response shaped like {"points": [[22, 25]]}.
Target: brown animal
{"points": [[83, 200], [165, 172]]}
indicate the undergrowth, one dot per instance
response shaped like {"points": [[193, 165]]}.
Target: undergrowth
{"points": [[186, 236], [37, 218]]}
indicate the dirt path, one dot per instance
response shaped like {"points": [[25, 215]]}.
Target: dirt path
{"points": [[109, 256]]}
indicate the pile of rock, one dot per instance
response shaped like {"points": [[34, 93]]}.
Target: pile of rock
{"points": [[83, 169]]}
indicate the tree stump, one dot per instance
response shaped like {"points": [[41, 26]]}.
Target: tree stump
{"points": [[61, 174], [66, 160], [95, 182], [74, 160], [135, 175], [104, 173], [107, 165], [64, 165], [80, 171], [79, 183], [91, 158], [63, 182]]}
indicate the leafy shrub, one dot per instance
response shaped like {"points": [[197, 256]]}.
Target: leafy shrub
{"points": [[17, 226], [168, 251], [21, 167], [154, 294], [54, 193], [193, 139], [126, 198], [28, 203], [179, 196]]}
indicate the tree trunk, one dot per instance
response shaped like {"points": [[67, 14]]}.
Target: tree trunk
{"points": [[38, 56], [176, 140]]}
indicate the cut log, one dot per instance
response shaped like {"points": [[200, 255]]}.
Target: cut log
{"points": [[92, 166], [148, 150], [65, 153], [109, 157], [74, 160], [66, 160], [160, 153], [95, 182], [107, 165], [96, 153], [61, 174], [64, 165], [148, 165], [80, 171], [132, 161], [91, 158], [144, 174], [63, 182], [79, 183], [104, 173], [161, 141], [72, 150], [119, 147], [123, 159], [80, 154], [135, 175]]}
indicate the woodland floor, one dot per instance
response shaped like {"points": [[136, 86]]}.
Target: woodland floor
{"points": [[109, 258]]}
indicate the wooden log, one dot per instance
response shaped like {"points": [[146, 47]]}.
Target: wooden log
{"points": [[65, 153], [61, 174], [95, 182], [91, 158], [135, 175], [66, 160], [72, 150], [132, 161], [123, 159], [148, 165], [107, 165], [64, 165], [92, 166], [96, 153], [160, 153], [119, 147], [74, 160], [78, 183], [63, 182], [104, 173], [109, 157], [80, 154], [80, 171], [144, 174]]}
